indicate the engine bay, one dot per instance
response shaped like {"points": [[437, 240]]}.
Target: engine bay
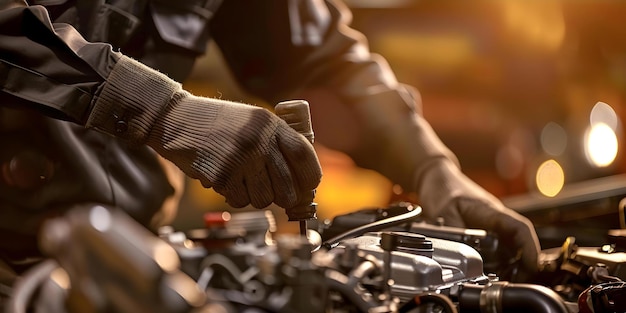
{"points": [[373, 260]]}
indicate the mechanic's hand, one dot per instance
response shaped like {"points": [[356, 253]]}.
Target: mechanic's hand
{"points": [[245, 153], [446, 192]]}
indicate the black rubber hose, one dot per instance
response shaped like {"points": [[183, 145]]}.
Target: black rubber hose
{"points": [[509, 298], [374, 226]]}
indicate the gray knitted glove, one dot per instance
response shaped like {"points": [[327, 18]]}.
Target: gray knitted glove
{"points": [[245, 153], [446, 192]]}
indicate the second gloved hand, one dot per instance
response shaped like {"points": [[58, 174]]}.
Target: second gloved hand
{"points": [[246, 153], [446, 192]]}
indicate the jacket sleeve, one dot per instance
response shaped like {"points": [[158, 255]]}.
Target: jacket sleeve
{"points": [[52, 68], [49, 67], [306, 49]]}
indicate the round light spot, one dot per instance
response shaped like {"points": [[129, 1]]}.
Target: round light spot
{"points": [[100, 218], [601, 145], [553, 139], [550, 178]]}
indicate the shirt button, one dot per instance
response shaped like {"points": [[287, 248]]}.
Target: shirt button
{"points": [[27, 170], [121, 126]]}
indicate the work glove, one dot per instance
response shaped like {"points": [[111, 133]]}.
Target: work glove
{"points": [[445, 192], [244, 152]]}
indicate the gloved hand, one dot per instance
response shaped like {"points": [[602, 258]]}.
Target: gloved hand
{"points": [[444, 191], [245, 153]]}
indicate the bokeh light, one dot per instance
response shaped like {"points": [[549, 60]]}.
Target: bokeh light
{"points": [[601, 145], [553, 139], [550, 178], [603, 113]]}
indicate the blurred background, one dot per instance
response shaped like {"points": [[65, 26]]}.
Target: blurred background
{"points": [[528, 94]]}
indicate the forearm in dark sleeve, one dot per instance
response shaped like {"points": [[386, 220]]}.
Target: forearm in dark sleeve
{"points": [[358, 105], [49, 66]]}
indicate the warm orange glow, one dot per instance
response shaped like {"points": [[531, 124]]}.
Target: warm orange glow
{"points": [[442, 51], [346, 188], [550, 178], [540, 24]]}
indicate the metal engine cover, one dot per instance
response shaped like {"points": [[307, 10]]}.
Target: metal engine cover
{"points": [[448, 264]]}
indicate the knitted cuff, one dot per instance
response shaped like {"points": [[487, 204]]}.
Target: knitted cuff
{"points": [[131, 100]]}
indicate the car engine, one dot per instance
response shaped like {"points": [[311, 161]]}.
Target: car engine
{"points": [[373, 260]]}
